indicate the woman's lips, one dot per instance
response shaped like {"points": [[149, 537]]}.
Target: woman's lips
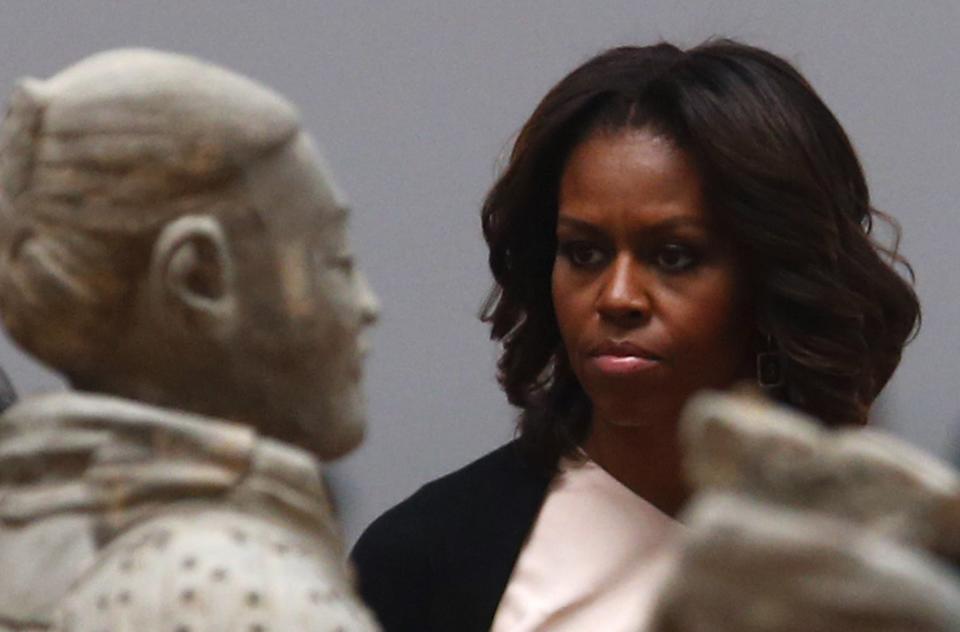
{"points": [[622, 364], [622, 358]]}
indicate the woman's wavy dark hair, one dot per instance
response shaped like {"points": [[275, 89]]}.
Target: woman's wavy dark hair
{"points": [[781, 178]]}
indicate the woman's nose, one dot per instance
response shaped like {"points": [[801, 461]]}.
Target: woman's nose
{"points": [[624, 296]]}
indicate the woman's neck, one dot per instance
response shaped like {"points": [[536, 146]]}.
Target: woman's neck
{"points": [[644, 457]]}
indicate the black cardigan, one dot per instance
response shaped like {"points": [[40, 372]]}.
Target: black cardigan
{"points": [[440, 560]]}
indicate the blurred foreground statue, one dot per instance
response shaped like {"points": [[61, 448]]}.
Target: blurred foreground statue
{"points": [[173, 243], [800, 529]]}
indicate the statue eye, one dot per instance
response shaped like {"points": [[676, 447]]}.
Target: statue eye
{"points": [[344, 263], [341, 263]]}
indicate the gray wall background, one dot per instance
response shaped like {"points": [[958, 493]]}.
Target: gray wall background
{"points": [[416, 101]]}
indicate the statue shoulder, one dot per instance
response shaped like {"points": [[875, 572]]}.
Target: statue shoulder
{"points": [[214, 570]]}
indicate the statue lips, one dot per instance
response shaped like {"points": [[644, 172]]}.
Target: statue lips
{"points": [[358, 365], [623, 358]]}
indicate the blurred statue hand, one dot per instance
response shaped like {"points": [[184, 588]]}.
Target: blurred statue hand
{"points": [[798, 528], [774, 454], [747, 566]]}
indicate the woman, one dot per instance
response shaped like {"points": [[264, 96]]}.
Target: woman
{"points": [[669, 221]]}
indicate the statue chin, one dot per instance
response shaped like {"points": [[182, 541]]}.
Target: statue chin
{"points": [[340, 441], [343, 434]]}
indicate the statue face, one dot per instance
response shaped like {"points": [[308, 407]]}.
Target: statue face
{"points": [[302, 303]]}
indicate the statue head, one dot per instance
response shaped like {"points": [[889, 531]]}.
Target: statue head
{"points": [[169, 234]]}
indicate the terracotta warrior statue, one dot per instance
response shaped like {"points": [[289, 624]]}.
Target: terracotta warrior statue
{"points": [[797, 528], [173, 243]]}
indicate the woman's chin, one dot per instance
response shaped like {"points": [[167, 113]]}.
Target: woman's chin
{"points": [[636, 408]]}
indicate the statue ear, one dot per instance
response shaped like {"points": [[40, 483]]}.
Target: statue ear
{"points": [[192, 276]]}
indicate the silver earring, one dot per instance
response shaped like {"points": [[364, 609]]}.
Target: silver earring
{"points": [[770, 373]]}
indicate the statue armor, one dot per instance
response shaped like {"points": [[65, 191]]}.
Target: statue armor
{"points": [[118, 515]]}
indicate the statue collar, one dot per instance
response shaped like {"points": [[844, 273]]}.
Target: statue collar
{"points": [[71, 451]]}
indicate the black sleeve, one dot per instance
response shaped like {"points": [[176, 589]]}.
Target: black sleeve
{"points": [[392, 563], [440, 560]]}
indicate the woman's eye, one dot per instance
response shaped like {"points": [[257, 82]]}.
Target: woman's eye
{"points": [[582, 254], [675, 258]]}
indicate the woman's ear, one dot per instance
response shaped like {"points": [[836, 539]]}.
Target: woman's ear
{"points": [[191, 277]]}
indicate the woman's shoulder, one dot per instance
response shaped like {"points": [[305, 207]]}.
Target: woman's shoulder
{"points": [[425, 556], [483, 476], [459, 494]]}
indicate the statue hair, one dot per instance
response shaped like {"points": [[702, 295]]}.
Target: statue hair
{"points": [[94, 162]]}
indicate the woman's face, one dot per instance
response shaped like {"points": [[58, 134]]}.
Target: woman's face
{"points": [[648, 295]]}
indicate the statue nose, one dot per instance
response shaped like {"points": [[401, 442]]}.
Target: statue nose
{"points": [[369, 303]]}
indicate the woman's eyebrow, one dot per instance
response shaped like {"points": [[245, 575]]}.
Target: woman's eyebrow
{"points": [[676, 222], [579, 224], [681, 221]]}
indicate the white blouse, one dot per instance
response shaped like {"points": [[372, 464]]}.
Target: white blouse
{"points": [[594, 560]]}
